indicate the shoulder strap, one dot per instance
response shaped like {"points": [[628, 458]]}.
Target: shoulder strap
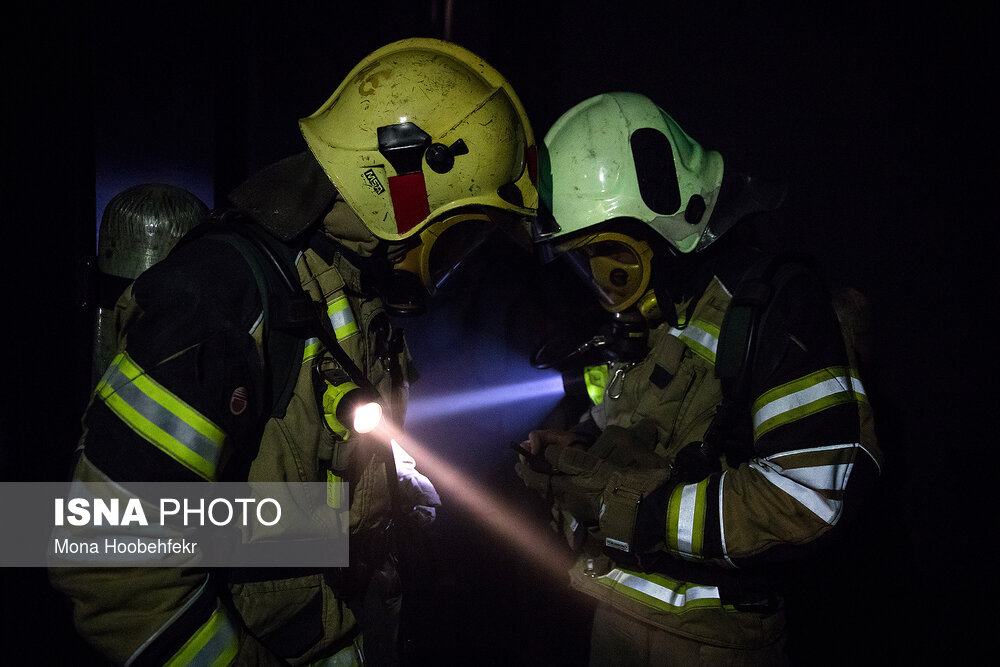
{"points": [[290, 315], [737, 348], [285, 309]]}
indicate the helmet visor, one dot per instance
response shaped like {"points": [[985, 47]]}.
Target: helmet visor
{"points": [[451, 250], [445, 247]]}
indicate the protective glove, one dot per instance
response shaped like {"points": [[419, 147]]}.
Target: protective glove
{"points": [[631, 447], [638, 471], [415, 490], [576, 483], [580, 476], [534, 470]]}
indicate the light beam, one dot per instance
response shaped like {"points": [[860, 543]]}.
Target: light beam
{"points": [[490, 511], [433, 407]]}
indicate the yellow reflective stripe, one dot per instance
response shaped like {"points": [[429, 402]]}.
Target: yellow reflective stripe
{"points": [[160, 417], [686, 519], [333, 490], [214, 643], [342, 318], [312, 349], [701, 337], [806, 396], [660, 592]]}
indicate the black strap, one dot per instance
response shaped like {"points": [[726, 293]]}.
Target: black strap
{"points": [[285, 313], [736, 353], [299, 315]]}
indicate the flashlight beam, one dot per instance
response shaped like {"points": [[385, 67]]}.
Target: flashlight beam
{"points": [[488, 509], [419, 409]]}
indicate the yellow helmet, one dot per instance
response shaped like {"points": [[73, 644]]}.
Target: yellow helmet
{"points": [[419, 129]]}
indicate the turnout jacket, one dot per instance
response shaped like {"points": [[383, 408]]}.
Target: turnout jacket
{"points": [[188, 410], [811, 456]]}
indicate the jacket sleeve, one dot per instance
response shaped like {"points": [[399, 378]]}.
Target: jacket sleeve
{"points": [[176, 404], [814, 454]]}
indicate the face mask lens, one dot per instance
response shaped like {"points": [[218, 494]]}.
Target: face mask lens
{"points": [[611, 269]]}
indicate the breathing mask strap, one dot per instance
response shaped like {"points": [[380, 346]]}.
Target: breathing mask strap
{"points": [[666, 282]]}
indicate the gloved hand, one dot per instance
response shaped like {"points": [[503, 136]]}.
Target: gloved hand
{"points": [[631, 447], [580, 476], [416, 492], [577, 481], [620, 464]]}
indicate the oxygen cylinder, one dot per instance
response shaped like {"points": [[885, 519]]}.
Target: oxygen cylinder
{"points": [[139, 226]]}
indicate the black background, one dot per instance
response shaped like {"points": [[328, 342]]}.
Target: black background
{"points": [[880, 117]]}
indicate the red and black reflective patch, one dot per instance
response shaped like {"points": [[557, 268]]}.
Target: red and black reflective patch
{"points": [[238, 402], [409, 200]]}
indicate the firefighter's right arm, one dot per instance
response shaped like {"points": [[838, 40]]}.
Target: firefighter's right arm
{"points": [[166, 410]]}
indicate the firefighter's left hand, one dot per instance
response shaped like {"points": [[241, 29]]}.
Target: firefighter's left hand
{"points": [[576, 482]]}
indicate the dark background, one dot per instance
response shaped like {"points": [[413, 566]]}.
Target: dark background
{"points": [[881, 119]]}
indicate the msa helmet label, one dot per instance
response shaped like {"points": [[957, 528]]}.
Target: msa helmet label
{"points": [[373, 181]]}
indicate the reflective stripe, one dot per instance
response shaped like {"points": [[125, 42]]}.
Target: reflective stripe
{"points": [[180, 612], [661, 592], [806, 396], [701, 337], [342, 318], [214, 643], [816, 487], [257, 323], [686, 519], [312, 349], [722, 523], [349, 656], [160, 417]]}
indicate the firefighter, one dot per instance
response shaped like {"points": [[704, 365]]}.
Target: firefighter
{"points": [[722, 450], [417, 157]]}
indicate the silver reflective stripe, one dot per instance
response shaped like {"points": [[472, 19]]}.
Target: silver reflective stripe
{"points": [[311, 349], [159, 416], [679, 598], [686, 519], [215, 643], [166, 420], [177, 614], [806, 396], [215, 649], [257, 323], [722, 523], [701, 337], [349, 656], [810, 485], [342, 318]]}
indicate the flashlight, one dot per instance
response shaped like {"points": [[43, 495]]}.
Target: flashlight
{"points": [[347, 408], [367, 415]]}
